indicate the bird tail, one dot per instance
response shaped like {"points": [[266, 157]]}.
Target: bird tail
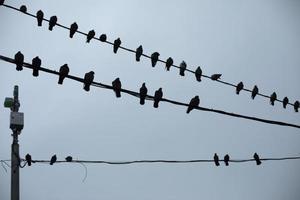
{"points": [[155, 105], [284, 106], [29, 163], [167, 68], [88, 40], [137, 58], [237, 92], [71, 34], [181, 73], [226, 163], [50, 28], [35, 73], [272, 103], [115, 49], [86, 87], [142, 101], [118, 93], [188, 110], [60, 80], [296, 110], [153, 63], [40, 22], [198, 78], [19, 68], [51, 163], [252, 96]]}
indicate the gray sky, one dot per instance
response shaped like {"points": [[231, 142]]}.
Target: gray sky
{"points": [[256, 42]]}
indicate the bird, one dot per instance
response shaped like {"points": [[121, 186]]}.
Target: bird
{"points": [[154, 58], [254, 91], [198, 74], [239, 87], [69, 158], [285, 101], [169, 63], [63, 72], [2, 2], [103, 38], [296, 106], [216, 160], [138, 53], [73, 29], [143, 93], [116, 84], [23, 9], [36, 64], [90, 36], [182, 68], [193, 104], [88, 80], [53, 159], [215, 77], [39, 17], [273, 97], [226, 159], [157, 97], [52, 22], [28, 159], [19, 60], [257, 159], [117, 44]]}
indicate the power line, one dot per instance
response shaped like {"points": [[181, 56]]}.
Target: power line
{"points": [[272, 98], [149, 97]]}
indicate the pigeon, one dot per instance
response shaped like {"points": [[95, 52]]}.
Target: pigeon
{"points": [[103, 38], [157, 97], [117, 44], [53, 159], [138, 53], [198, 74], [90, 36], [19, 60], [87, 81], [23, 9], [257, 159], [215, 77], [273, 97], [154, 58], [296, 106], [143, 94], [39, 17], [216, 160], [193, 104], [52, 22], [63, 72], [254, 91], [285, 102], [2, 2], [182, 68], [36, 64], [239, 87], [169, 63], [73, 29], [28, 159], [69, 158], [226, 159], [116, 84]]}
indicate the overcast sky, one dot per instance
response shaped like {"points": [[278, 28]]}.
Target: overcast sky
{"points": [[256, 42]]}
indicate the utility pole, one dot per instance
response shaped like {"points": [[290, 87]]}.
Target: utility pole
{"points": [[16, 125]]}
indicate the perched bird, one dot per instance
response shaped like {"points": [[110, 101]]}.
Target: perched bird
{"points": [[63, 72], [19, 60], [226, 159], [169, 63], [87, 81], [154, 58], [257, 159], [52, 22], [157, 97], [193, 104], [216, 160], [2, 2], [117, 44], [285, 102], [296, 106], [69, 158], [138, 53], [239, 87], [39, 17], [90, 36], [116, 84], [28, 159], [36, 64], [143, 93], [23, 9], [198, 74], [53, 159], [182, 68], [215, 77], [254, 91], [273, 97], [103, 38], [73, 29]]}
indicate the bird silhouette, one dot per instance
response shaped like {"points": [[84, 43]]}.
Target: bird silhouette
{"points": [[73, 29], [117, 44], [53, 159], [285, 101], [90, 36], [138, 53], [198, 74], [254, 91], [63, 72], [215, 77], [169, 63], [52, 22], [39, 17], [19, 60], [194, 103], [143, 93], [36, 64], [88, 80], [239, 87], [273, 98], [116, 84], [226, 159], [103, 38], [23, 9], [216, 160], [154, 58], [296, 106], [28, 159], [182, 68], [69, 158], [257, 159], [2, 2], [157, 97]]}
